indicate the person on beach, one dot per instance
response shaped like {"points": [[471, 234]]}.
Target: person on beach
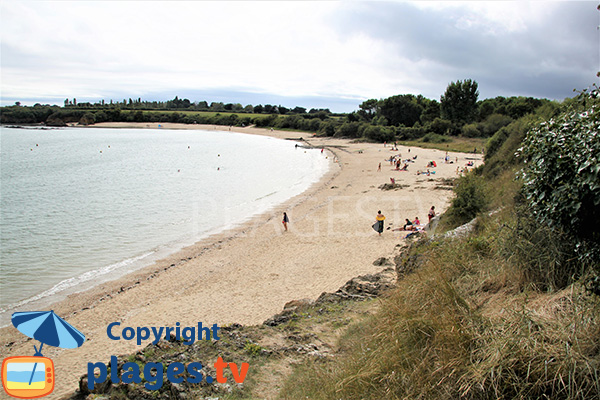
{"points": [[285, 221], [431, 213], [416, 222], [378, 226], [379, 168]]}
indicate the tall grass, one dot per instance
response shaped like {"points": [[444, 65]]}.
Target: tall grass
{"points": [[464, 326]]}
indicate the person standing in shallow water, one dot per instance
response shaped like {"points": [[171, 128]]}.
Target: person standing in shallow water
{"points": [[285, 221], [378, 226]]}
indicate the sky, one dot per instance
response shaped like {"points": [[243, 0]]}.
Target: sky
{"points": [[312, 54]]}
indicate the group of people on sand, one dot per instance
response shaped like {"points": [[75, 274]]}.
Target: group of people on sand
{"points": [[409, 225], [414, 225], [401, 165]]}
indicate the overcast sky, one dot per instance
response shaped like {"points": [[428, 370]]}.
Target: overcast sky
{"points": [[307, 53]]}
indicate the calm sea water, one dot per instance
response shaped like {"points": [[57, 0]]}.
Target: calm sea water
{"points": [[80, 206]]}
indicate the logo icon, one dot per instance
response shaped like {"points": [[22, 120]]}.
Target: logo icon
{"points": [[33, 377]]}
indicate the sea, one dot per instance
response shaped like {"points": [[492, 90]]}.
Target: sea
{"points": [[80, 206]]}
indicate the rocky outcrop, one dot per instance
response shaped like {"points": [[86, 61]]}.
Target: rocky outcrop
{"points": [[362, 287], [245, 344]]}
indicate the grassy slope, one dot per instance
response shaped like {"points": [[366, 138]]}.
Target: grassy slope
{"points": [[481, 318], [465, 325]]}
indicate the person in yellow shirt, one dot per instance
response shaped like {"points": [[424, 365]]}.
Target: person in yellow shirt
{"points": [[378, 226]]}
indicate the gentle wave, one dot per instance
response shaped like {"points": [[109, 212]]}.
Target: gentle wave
{"points": [[78, 280]]}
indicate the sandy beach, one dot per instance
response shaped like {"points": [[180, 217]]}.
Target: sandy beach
{"points": [[247, 274]]}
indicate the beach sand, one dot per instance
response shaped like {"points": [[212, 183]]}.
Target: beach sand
{"points": [[247, 274]]}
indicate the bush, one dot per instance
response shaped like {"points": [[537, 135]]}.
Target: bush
{"points": [[470, 199], [439, 126], [409, 133], [435, 138], [379, 133], [493, 123], [87, 119], [348, 129], [55, 120], [561, 176], [470, 131]]}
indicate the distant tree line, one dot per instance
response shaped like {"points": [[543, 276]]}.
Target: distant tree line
{"points": [[400, 117], [187, 105]]}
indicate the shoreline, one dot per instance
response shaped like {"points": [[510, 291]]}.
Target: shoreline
{"points": [[145, 257], [246, 274]]}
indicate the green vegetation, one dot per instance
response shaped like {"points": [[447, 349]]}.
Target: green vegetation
{"points": [[510, 310], [405, 117], [447, 143]]}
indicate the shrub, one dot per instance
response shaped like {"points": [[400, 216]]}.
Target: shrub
{"points": [[435, 138], [561, 176], [348, 129], [470, 131], [493, 123], [87, 119], [470, 199], [55, 120], [379, 133], [439, 126], [408, 133]]}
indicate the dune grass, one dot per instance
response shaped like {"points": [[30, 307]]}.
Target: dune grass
{"points": [[468, 324]]}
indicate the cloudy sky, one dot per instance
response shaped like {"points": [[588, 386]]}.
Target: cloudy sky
{"points": [[332, 54]]}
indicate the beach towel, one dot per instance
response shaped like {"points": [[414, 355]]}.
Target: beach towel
{"points": [[378, 226]]}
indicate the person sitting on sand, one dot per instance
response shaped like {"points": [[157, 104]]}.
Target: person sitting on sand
{"points": [[416, 222]]}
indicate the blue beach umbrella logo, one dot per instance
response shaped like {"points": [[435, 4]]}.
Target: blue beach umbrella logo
{"points": [[48, 328], [32, 377]]}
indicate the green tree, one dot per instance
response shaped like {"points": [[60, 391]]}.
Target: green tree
{"points": [[430, 112], [400, 110], [368, 109], [299, 110], [459, 102], [87, 119]]}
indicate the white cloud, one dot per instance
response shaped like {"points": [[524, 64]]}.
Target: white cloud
{"points": [[297, 49]]}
